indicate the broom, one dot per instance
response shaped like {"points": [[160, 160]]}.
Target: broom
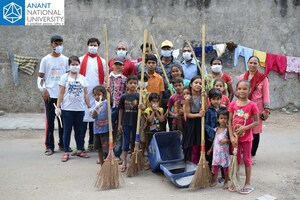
{"points": [[108, 175], [202, 176], [233, 174], [137, 162]]}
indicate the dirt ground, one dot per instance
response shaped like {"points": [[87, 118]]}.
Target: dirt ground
{"points": [[26, 173]]}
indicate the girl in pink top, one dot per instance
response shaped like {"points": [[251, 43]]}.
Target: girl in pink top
{"points": [[243, 116], [259, 94]]}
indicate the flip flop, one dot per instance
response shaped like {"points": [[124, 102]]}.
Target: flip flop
{"points": [[82, 154], [231, 189], [49, 152], [65, 157], [246, 190]]}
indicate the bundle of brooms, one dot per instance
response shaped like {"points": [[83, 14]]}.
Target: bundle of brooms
{"points": [[202, 177], [137, 162], [234, 168], [108, 175]]}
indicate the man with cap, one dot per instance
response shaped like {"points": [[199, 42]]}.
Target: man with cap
{"points": [[117, 86], [129, 67], [52, 67], [93, 68], [168, 61]]}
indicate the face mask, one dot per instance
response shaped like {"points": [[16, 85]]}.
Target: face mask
{"points": [[216, 68], [122, 53], [58, 49], [187, 56], [74, 68], [166, 53], [92, 49], [145, 84]]}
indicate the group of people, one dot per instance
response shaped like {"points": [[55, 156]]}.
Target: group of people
{"points": [[76, 89]]}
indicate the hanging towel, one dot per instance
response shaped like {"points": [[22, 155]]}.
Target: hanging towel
{"points": [[262, 57], [293, 64], [231, 46], [26, 63], [242, 51], [208, 49], [275, 63], [14, 68], [220, 49]]}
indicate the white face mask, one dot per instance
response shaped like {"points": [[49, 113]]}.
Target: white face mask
{"points": [[122, 53], [145, 84], [166, 53], [216, 68], [74, 68], [92, 49], [58, 49], [187, 56]]}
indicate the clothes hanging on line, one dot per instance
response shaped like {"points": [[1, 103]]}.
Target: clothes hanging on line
{"points": [[220, 49], [275, 63], [242, 51], [208, 49], [293, 65], [262, 57]]}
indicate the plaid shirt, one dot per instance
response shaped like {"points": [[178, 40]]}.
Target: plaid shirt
{"points": [[118, 87]]}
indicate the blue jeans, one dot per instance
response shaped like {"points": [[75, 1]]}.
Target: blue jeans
{"points": [[126, 136], [50, 117], [73, 119]]}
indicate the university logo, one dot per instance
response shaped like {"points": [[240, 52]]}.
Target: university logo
{"points": [[12, 12]]}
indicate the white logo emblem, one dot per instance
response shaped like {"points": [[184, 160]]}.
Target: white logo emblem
{"points": [[12, 12]]}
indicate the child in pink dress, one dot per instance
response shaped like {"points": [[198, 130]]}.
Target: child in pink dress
{"points": [[220, 148], [243, 116]]}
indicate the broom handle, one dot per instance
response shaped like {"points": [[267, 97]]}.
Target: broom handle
{"points": [[141, 88], [108, 93], [162, 66], [203, 89], [194, 57]]}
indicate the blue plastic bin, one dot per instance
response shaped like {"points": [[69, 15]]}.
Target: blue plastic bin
{"points": [[165, 147]]}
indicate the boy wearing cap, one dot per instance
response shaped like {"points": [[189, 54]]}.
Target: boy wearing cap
{"points": [[52, 67], [129, 67], [93, 68], [168, 61], [117, 86]]}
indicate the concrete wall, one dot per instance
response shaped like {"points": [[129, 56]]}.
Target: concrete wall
{"points": [[271, 26]]}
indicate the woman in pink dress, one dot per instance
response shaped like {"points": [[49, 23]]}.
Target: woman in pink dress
{"points": [[259, 94]]}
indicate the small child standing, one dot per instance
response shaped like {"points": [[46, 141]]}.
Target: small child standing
{"points": [[100, 114], [154, 115], [219, 83], [220, 148], [186, 93], [128, 113], [175, 105], [243, 116]]}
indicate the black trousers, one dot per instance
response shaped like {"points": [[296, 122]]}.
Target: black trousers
{"points": [[255, 143]]}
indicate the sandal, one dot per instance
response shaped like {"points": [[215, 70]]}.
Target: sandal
{"points": [[81, 154], [65, 157], [49, 152], [122, 168]]}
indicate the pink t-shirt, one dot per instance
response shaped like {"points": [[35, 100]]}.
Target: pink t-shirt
{"points": [[242, 115]]}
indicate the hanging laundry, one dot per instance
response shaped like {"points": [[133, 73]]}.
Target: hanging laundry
{"points": [[242, 51], [275, 63], [220, 49], [231, 46], [293, 65], [26, 63], [262, 57], [208, 49]]}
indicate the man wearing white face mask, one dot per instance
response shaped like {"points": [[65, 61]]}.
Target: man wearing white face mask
{"points": [[93, 68], [168, 61], [52, 67], [129, 67], [189, 64]]}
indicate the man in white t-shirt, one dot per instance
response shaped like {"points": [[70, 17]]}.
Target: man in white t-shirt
{"points": [[93, 67], [52, 67]]}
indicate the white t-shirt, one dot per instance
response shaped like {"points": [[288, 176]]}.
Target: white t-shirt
{"points": [[93, 80], [53, 68], [73, 99]]}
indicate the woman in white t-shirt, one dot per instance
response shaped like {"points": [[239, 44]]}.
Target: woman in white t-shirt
{"points": [[71, 102]]}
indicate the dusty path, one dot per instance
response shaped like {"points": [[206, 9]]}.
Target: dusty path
{"points": [[27, 174]]}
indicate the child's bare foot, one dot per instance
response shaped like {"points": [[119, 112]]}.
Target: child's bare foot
{"points": [[122, 168], [225, 186], [213, 183]]}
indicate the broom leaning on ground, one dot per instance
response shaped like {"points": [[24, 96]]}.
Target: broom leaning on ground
{"points": [[137, 162], [202, 176], [108, 175]]}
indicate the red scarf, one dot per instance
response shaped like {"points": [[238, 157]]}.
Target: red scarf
{"points": [[255, 81], [100, 66]]}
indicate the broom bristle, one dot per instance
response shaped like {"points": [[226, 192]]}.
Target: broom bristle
{"points": [[202, 176], [136, 164], [233, 174], [108, 175]]}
